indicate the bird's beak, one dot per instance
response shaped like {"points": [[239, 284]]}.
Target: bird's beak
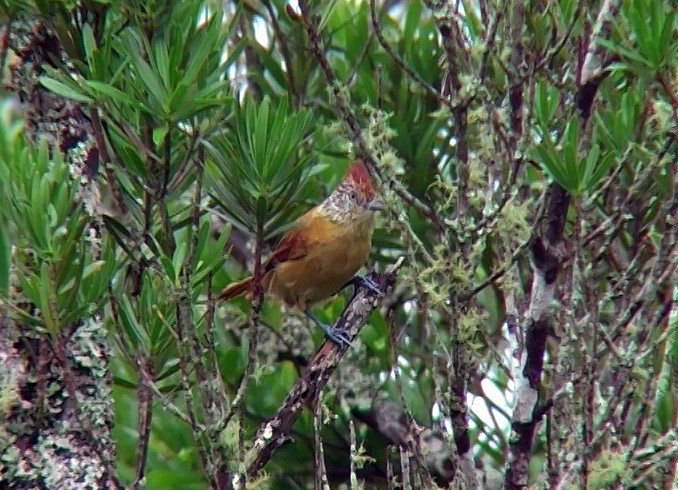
{"points": [[376, 204]]}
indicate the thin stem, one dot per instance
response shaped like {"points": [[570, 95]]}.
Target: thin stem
{"points": [[145, 415]]}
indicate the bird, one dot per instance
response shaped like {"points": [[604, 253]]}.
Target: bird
{"points": [[322, 252]]}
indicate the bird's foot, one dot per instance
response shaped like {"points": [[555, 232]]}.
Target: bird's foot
{"points": [[368, 283], [362, 281], [331, 333], [337, 337]]}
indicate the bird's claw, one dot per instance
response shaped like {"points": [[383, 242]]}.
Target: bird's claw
{"points": [[337, 337], [363, 281], [331, 333], [367, 283]]}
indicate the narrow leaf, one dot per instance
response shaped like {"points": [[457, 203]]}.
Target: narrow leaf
{"points": [[63, 90]]}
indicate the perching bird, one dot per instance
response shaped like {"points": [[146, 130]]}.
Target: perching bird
{"points": [[322, 253]]}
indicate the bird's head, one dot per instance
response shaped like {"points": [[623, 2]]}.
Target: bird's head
{"points": [[355, 198]]}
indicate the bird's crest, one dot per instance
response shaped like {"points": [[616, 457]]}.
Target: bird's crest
{"points": [[358, 176]]}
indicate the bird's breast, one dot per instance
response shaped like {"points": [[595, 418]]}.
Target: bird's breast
{"points": [[334, 254]]}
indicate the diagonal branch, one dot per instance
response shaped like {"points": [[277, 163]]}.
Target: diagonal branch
{"points": [[273, 433], [430, 89]]}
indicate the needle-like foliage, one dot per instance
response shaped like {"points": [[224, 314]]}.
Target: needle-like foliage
{"points": [[258, 165]]}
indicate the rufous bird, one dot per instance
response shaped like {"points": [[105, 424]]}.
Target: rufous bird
{"points": [[321, 254]]}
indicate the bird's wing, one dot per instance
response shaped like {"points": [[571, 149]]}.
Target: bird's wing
{"points": [[292, 246]]}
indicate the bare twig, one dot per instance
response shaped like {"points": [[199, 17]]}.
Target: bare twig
{"points": [[145, 414], [354, 456], [239, 399], [401, 63], [405, 472], [320, 473], [390, 476]]}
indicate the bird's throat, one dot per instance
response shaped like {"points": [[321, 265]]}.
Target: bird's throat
{"points": [[344, 213]]}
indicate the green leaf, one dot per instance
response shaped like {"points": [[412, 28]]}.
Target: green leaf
{"points": [[271, 65], [601, 169], [166, 479], [66, 297], [156, 91], [46, 299], [546, 103], [231, 363], [566, 9], [178, 100], [570, 147], [325, 14], [666, 36], [162, 64], [570, 143], [64, 90], [131, 327], [112, 93], [257, 166], [551, 163], [208, 46], [588, 165], [89, 43], [412, 19], [180, 256], [603, 131], [473, 21], [168, 369], [209, 253]]}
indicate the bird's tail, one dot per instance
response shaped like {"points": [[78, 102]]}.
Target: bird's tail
{"points": [[235, 289]]}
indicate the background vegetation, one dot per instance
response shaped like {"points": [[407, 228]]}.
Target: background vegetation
{"points": [[527, 155]]}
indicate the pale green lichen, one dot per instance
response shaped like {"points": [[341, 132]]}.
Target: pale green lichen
{"points": [[10, 373], [514, 223], [378, 135], [468, 324], [610, 469], [661, 116], [89, 350], [446, 274], [58, 461], [510, 283], [262, 369], [228, 438], [66, 454], [361, 458], [74, 472], [11, 454], [338, 94], [448, 195], [261, 482], [640, 374], [465, 89]]}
